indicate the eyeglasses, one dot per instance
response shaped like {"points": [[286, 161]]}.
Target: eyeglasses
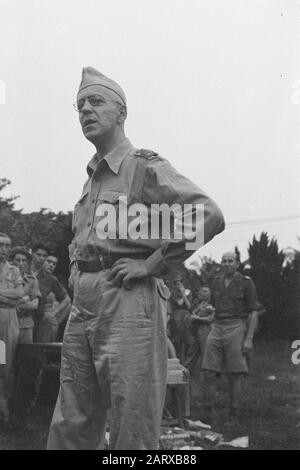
{"points": [[94, 100]]}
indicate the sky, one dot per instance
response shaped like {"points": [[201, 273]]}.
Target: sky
{"points": [[212, 85]]}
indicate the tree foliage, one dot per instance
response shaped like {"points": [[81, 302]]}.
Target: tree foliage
{"points": [[42, 226], [276, 286]]}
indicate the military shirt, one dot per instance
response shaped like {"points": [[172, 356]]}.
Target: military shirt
{"points": [[236, 300], [204, 309], [10, 278], [31, 288], [49, 283], [112, 177]]}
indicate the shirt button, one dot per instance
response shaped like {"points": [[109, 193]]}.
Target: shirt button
{"points": [[89, 224], [93, 201]]}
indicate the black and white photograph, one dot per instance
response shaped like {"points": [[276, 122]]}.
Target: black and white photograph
{"points": [[149, 227]]}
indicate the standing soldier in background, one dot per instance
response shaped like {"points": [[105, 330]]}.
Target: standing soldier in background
{"points": [[50, 263], [180, 305], [114, 353], [55, 311], [39, 255], [11, 291], [28, 305], [201, 319], [26, 308], [48, 315], [231, 337]]}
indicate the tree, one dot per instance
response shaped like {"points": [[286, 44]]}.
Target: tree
{"points": [[291, 277], [237, 254], [8, 215], [42, 226], [266, 271]]}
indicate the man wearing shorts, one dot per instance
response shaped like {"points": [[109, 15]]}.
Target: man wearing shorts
{"points": [[231, 336]]}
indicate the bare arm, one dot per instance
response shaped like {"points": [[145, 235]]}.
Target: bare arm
{"points": [[12, 294], [7, 301], [61, 312], [252, 325], [171, 349], [186, 301], [29, 304]]}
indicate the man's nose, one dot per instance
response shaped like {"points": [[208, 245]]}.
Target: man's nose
{"points": [[87, 107]]}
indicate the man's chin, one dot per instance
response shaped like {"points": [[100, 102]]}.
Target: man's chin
{"points": [[91, 136]]}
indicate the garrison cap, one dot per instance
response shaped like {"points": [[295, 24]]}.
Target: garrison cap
{"points": [[91, 76]]}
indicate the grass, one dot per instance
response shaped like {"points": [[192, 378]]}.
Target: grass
{"points": [[270, 414]]}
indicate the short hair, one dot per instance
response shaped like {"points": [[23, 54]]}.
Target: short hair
{"points": [[20, 250], [230, 253], [205, 287], [40, 246], [54, 255], [4, 235]]}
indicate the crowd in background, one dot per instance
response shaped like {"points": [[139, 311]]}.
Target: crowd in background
{"points": [[33, 305], [34, 308]]}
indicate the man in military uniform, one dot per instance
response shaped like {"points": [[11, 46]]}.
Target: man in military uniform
{"points": [[11, 291], [114, 353], [231, 336], [180, 305], [48, 315], [201, 318], [50, 263], [26, 309], [27, 306]]}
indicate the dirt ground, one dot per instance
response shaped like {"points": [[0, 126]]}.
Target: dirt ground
{"points": [[270, 414]]}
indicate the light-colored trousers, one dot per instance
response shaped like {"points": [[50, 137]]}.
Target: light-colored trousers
{"points": [[9, 333], [114, 356]]}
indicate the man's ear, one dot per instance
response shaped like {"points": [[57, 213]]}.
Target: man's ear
{"points": [[122, 113]]}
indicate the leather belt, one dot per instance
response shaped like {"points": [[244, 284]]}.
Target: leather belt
{"points": [[101, 263]]}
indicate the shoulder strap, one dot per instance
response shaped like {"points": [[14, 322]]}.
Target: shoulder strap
{"points": [[140, 173]]}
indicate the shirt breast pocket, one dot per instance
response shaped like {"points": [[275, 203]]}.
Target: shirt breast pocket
{"points": [[79, 210], [217, 293], [238, 292], [109, 205], [237, 295]]}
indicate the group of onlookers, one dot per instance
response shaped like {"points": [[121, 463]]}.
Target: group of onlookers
{"points": [[215, 329], [33, 303]]}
